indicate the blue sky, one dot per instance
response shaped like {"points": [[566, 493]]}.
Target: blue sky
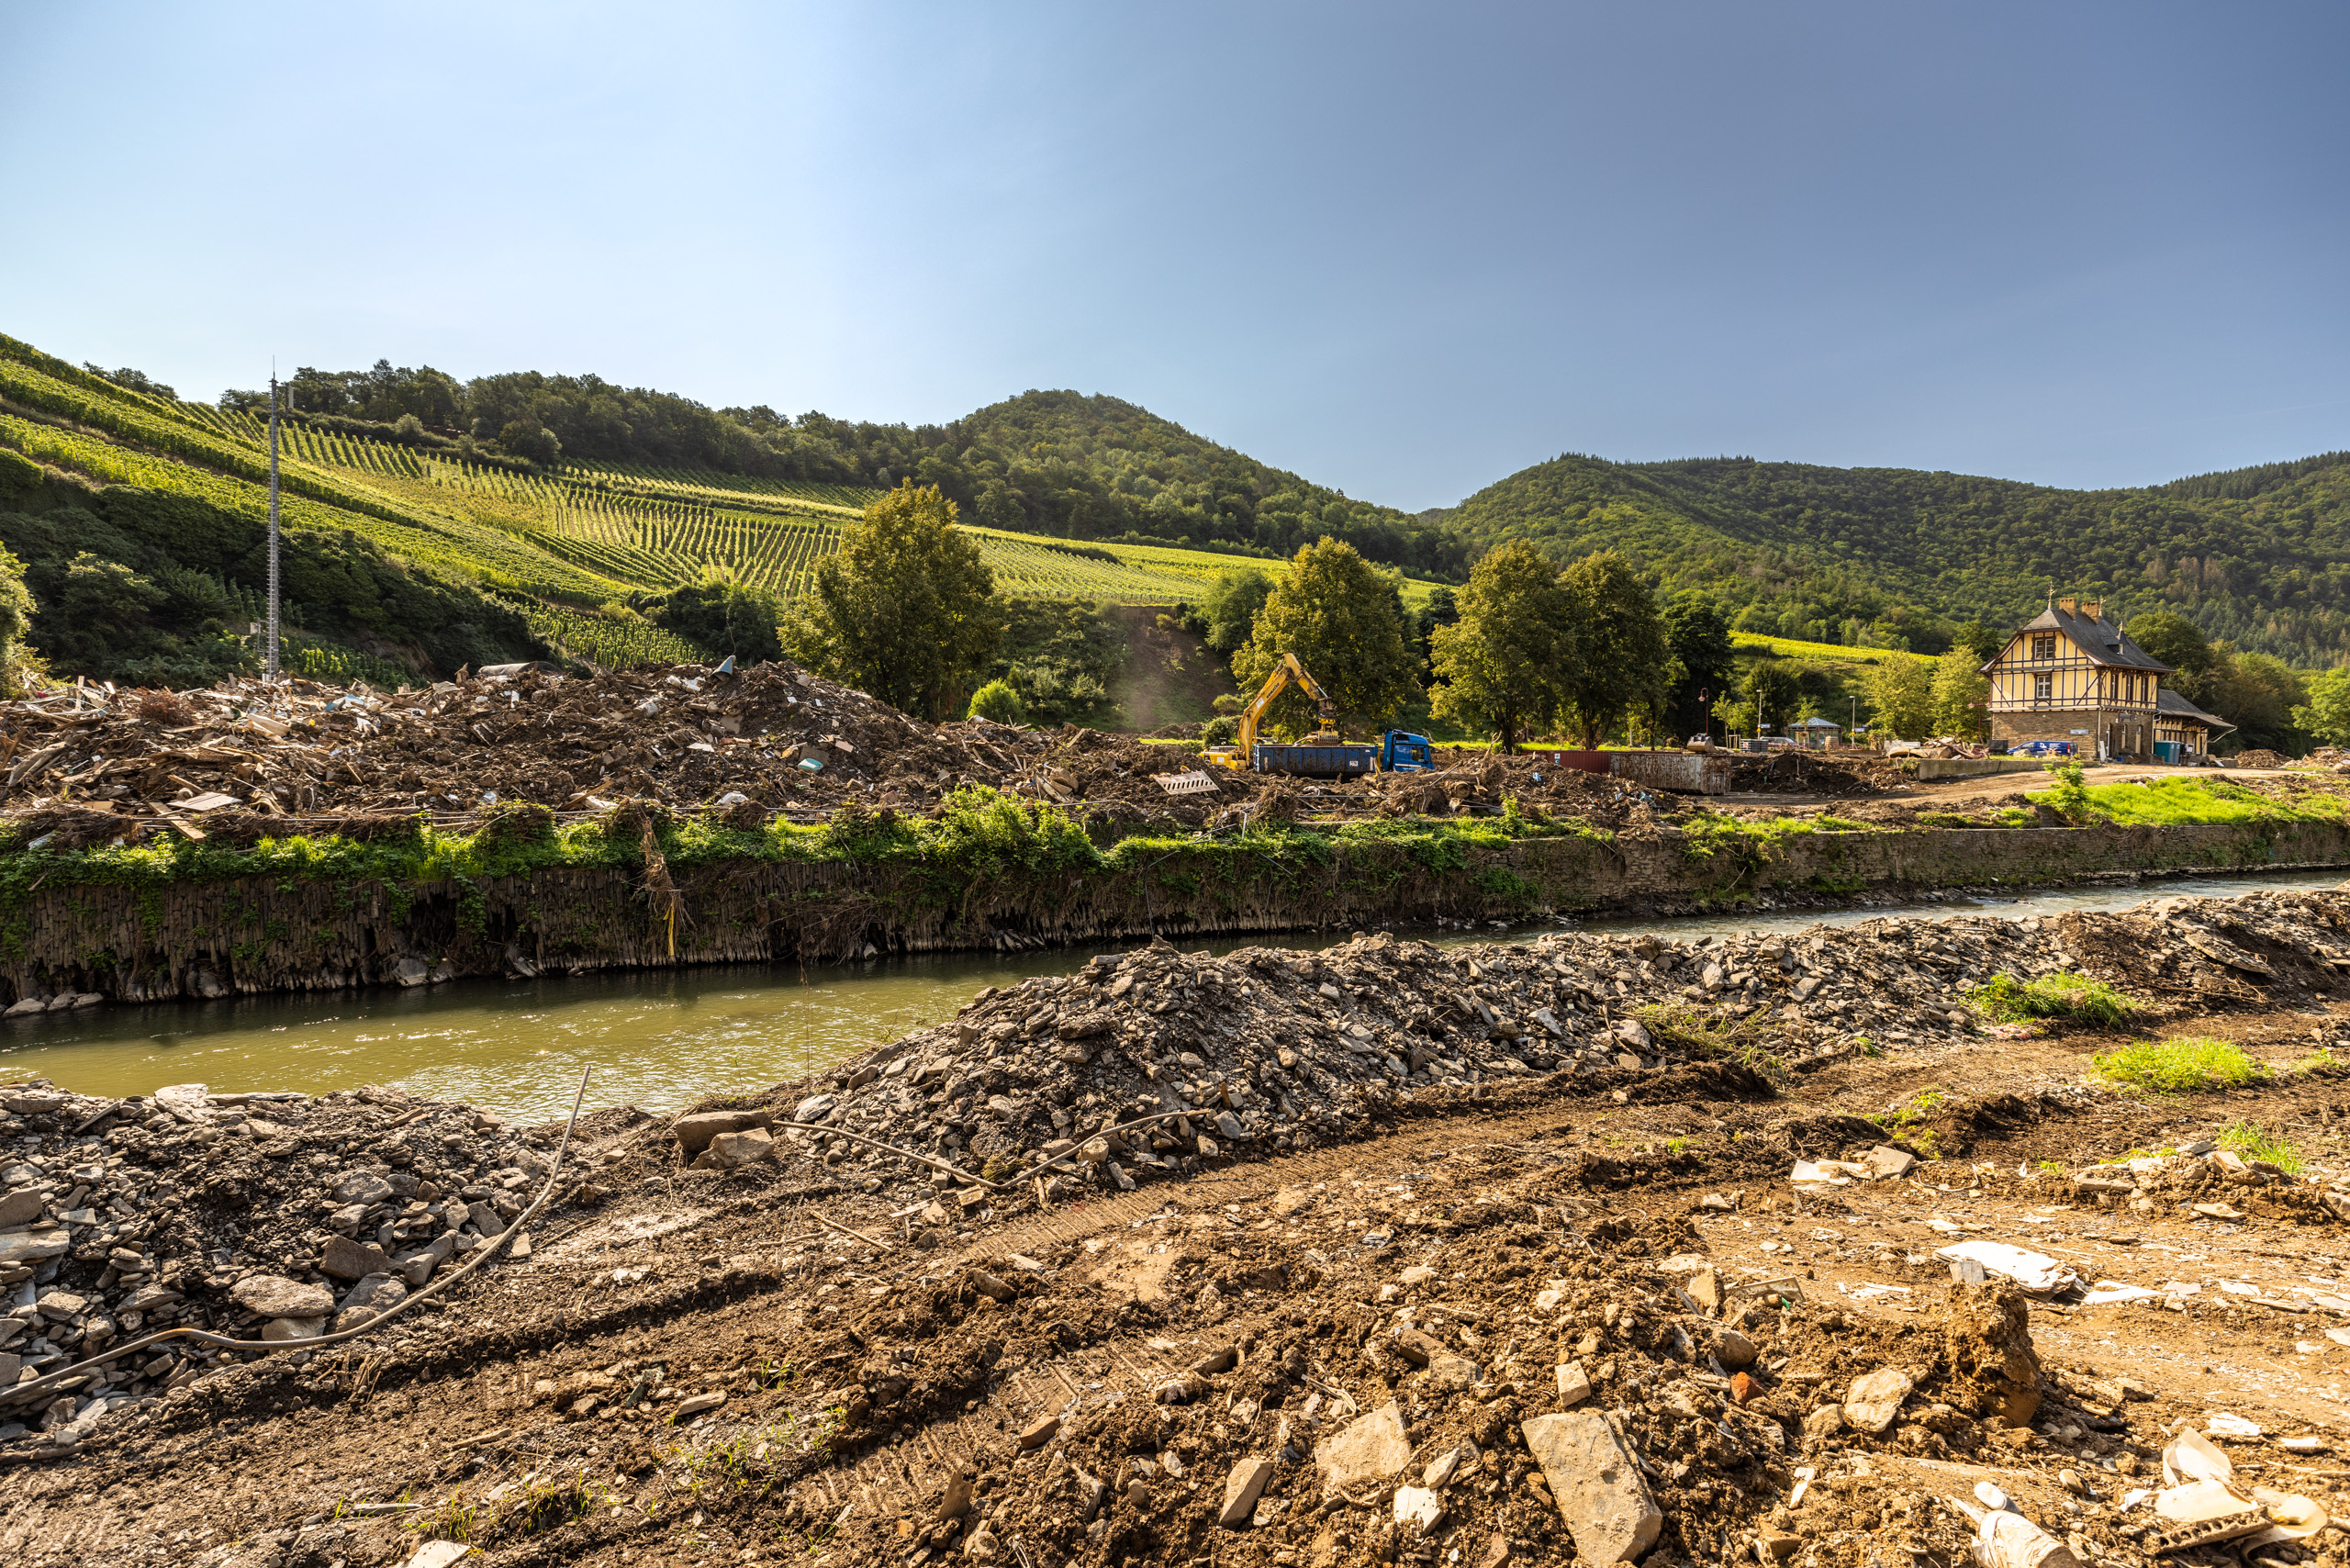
{"points": [[1404, 250]]}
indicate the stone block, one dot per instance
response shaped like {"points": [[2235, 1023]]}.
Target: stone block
{"points": [[1596, 1483]]}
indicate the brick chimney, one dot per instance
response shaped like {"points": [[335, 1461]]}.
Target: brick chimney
{"points": [[2069, 606], [2092, 609]]}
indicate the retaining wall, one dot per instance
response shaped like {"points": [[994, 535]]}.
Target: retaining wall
{"points": [[276, 933]]}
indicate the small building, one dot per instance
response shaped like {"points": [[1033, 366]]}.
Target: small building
{"points": [[1816, 734], [2071, 675], [2184, 733]]}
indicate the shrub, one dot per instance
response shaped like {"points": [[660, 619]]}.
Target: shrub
{"points": [[997, 700], [2008, 999], [2176, 1066], [1222, 730], [2245, 1138]]}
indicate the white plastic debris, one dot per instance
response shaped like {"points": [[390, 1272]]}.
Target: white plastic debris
{"points": [[2106, 1291], [2224, 1424], [2035, 1272], [1826, 1173]]}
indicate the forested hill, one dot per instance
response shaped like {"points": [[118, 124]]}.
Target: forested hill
{"points": [[2258, 555], [1056, 463]]}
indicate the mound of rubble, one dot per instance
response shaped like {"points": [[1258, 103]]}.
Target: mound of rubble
{"points": [[274, 1216], [89, 764], [1144, 1065]]}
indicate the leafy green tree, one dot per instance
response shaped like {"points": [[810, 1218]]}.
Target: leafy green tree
{"points": [[2178, 643], [528, 439], [1505, 665], [905, 610], [1982, 640], [723, 614], [1231, 606], [1901, 690], [2325, 715], [1962, 695], [1773, 695], [1442, 609], [1699, 633], [18, 662], [1338, 615], [1624, 665], [999, 701], [2258, 693]]}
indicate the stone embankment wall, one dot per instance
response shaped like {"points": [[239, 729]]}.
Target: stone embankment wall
{"points": [[203, 939]]}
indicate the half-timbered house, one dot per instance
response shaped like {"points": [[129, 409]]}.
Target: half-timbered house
{"points": [[2071, 675]]}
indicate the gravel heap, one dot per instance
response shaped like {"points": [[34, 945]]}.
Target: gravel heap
{"points": [[1277, 1049], [277, 1216]]}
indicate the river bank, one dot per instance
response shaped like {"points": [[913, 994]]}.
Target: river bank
{"points": [[521, 897], [663, 1039]]}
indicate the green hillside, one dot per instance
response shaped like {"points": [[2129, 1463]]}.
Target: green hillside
{"points": [[1064, 464], [2260, 557], [142, 521]]}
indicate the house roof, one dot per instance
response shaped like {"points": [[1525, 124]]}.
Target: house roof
{"points": [[2104, 642], [2167, 701], [1814, 724]]}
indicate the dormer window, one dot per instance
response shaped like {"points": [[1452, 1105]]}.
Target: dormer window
{"points": [[2043, 645]]}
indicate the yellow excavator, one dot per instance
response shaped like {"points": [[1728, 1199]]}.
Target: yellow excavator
{"points": [[1321, 755]]}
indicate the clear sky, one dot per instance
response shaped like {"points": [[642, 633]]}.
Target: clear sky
{"points": [[1404, 250]]}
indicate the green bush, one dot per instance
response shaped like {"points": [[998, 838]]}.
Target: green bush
{"points": [[2008, 999], [2175, 1066], [1222, 730], [997, 700]]}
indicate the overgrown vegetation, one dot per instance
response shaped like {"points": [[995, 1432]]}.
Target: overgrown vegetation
{"points": [[2007, 999], [2248, 1139], [1906, 1122], [2176, 1066]]}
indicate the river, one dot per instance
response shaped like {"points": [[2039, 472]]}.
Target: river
{"points": [[663, 1039]]}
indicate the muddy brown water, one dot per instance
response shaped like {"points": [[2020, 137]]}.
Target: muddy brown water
{"points": [[663, 1039]]}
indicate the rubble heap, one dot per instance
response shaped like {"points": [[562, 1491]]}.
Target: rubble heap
{"points": [[254, 1216], [1276, 1049], [89, 763]]}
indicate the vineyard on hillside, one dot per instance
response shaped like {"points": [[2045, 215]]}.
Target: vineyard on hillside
{"points": [[563, 548]]}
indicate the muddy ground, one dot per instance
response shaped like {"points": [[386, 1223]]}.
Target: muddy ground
{"points": [[1079, 1383]]}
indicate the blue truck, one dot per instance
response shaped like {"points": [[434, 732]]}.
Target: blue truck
{"points": [[1397, 752]]}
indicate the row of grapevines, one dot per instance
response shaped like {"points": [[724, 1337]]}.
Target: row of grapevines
{"points": [[612, 641], [453, 547]]}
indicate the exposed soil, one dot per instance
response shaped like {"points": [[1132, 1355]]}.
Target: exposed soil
{"points": [[1078, 1382]]}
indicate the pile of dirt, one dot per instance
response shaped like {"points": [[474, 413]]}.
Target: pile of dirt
{"points": [[2259, 758], [1840, 774]]}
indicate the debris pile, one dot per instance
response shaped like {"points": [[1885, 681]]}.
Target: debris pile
{"points": [[1144, 1065], [275, 1216]]}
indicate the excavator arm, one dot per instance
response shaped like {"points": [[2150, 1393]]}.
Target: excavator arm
{"points": [[1289, 669]]}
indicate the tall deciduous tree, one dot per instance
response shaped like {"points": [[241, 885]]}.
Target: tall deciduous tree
{"points": [[1901, 690], [2180, 643], [1699, 633], [2326, 714], [1503, 666], [906, 610], [1625, 666], [1340, 617], [1962, 695]]}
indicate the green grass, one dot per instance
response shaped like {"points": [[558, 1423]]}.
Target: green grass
{"points": [[2176, 1066], [2246, 1139], [2004, 999], [2179, 801]]}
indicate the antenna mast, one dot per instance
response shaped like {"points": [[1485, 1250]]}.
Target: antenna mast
{"points": [[269, 661]]}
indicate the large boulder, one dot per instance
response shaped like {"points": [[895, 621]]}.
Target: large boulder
{"points": [[694, 1132], [1601, 1496]]}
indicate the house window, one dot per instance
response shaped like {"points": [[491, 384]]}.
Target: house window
{"points": [[2043, 688], [2043, 645]]}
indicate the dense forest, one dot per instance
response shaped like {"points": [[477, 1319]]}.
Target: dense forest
{"points": [[1900, 558], [1055, 462]]}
